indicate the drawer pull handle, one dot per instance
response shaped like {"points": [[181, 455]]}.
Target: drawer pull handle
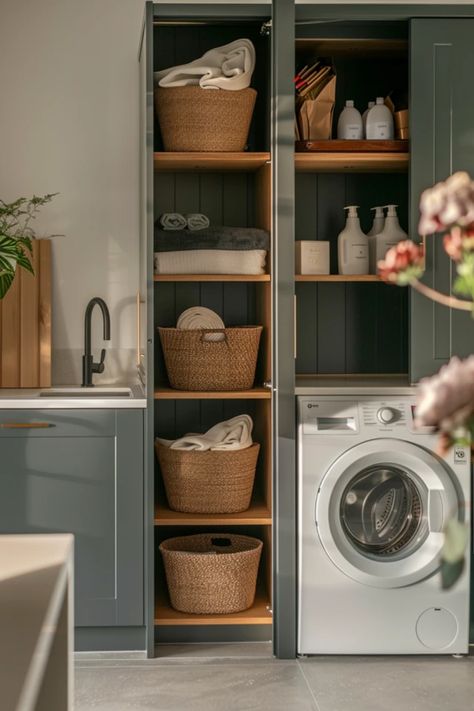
{"points": [[25, 425]]}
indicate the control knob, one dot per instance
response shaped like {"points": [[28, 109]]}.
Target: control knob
{"points": [[386, 415]]}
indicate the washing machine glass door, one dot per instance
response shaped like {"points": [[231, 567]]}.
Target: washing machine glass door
{"points": [[381, 510]]}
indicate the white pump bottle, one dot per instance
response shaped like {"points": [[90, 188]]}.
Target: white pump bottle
{"points": [[349, 125], [352, 246], [391, 234], [377, 226]]}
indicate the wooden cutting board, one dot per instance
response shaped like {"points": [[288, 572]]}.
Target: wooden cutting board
{"points": [[25, 325]]}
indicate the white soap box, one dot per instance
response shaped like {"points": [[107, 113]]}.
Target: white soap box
{"points": [[312, 257]]}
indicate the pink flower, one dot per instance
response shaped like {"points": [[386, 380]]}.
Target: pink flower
{"points": [[447, 204], [402, 263], [446, 400]]}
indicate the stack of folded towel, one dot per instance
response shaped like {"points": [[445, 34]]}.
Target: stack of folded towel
{"points": [[209, 250], [229, 435]]}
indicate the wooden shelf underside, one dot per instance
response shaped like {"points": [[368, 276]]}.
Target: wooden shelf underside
{"points": [[257, 515], [171, 162], [351, 161], [258, 614], [339, 277], [258, 393], [212, 277]]}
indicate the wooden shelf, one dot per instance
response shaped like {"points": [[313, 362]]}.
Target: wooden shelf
{"points": [[172, 162], [257, 515], [338, 277], [328, 162], [258, 614], [212, 277], [258, 393]]}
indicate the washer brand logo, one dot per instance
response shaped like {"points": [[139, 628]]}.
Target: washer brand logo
{"points": [[459, 454], [311, 405]]}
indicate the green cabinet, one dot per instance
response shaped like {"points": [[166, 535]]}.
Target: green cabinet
{"points": [[442, 121], [81, 472]]}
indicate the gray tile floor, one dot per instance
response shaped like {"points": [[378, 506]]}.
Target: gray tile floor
{"points": [[244, 677]]}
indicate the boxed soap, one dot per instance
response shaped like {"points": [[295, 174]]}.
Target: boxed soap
{"points": [[312, 257]]}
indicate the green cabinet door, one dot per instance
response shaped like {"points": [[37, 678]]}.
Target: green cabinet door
{"points": [[442, 142], [81, 472]]}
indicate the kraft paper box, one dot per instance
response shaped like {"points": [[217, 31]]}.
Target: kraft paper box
{"points": [[312, 257], [315, 115]]}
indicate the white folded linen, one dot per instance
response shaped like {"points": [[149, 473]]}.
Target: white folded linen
{"points": [[211, 261], [199, 317], [173, 221], [228, 67], [226, 436], [197, 221]]}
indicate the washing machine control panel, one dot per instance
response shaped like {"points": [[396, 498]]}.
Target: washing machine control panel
{"points": [[325, 417], [387, 415]]}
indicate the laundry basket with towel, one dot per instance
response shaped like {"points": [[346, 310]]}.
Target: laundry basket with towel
{"points": [[211, 573], [210, 473], [207, 105], [209, 358]]}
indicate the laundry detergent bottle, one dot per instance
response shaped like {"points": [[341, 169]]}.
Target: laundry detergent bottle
{"points": [[349, 125], [391, 234], [379, 124], [377, 226], [353, 246], [370, 105]]}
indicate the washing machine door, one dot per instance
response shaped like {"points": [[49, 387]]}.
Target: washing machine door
{"points": [[381, 510]]}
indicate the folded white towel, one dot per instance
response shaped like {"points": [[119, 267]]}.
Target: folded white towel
{"points": [[228, 67], [197, 221], [173, 221], [229, 435], [211, 261]]}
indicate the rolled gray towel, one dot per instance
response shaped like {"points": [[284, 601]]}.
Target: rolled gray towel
{"points": [[196, 221], [231, 238], [173, 221]]}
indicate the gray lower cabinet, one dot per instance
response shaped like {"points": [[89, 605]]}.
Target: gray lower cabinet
{"points": [[442, 120], [81, 471]]}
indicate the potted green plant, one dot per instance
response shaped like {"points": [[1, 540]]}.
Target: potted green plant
{"points": [[16, 235]]}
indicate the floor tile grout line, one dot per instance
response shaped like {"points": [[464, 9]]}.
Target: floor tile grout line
{"points": [[313, 695]]}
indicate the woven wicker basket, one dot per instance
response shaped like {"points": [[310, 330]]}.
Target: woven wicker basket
{"points": [[211, 573], [194, 363], [209, 482], [195, 119]]}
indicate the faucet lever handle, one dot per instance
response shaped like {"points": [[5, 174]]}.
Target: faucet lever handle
{"points": [[100, 365]]}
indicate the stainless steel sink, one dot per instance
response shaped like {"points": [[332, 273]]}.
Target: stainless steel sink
{"points": [[96, 392]]}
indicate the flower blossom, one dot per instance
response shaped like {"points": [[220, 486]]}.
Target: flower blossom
{"points": [[447, 204], [402, 263]]}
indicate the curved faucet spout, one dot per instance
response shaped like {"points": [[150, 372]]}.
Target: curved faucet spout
{"points": [[88, 365]]}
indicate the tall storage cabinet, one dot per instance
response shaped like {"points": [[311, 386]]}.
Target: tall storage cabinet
{"points": [[331, 328]]}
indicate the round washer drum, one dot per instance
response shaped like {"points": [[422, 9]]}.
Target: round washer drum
{"points": [[381, 509]]}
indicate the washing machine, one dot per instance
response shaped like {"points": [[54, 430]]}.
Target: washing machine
{"points": [[373, 501]]}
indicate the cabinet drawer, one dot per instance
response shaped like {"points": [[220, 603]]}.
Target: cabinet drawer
{"points": [[57, 423]]}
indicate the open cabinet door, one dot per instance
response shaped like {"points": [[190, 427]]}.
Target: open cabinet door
{"points": [[145, 298], [442, 142]]}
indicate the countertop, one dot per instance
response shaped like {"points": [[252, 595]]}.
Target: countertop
{"points": [[35, 579], [73, 397], [353, 385]]}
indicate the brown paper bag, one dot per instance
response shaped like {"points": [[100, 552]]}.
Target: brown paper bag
{"points": [[315, 115]]}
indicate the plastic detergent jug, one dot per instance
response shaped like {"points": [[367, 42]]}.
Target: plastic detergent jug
{"points": [[377, 227], [364, 116], [349, 125], [391, 234], [380, 122], [353, 246]]}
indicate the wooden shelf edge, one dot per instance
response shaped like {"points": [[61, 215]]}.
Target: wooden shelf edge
{"points": [[338, 277], [258, 393], [258, 514], [178, 161], [212, 277], [357, 162], [258, 614]]}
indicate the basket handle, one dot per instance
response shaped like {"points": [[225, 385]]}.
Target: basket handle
{"points": [[221, 542], [211, 331]]}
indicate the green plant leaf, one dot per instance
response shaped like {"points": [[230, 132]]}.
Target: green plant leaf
{"points": [[6, 280]]}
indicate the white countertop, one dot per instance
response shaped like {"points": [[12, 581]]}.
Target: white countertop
{"points": [[34, 574], [73, 397], [353, 385]]}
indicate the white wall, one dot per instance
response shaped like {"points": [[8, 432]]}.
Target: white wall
{"points": [[69, 123]]}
